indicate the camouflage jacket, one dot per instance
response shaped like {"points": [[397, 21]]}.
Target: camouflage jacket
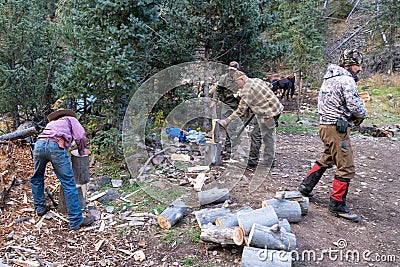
{"points": [[338, 97], [227, 90], [257, 95]]}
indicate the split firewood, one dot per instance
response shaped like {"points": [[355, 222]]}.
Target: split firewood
{"points": [[206, 216], [214, 195], [180, 157], [262, 257], [230, 220], [222, 235], [273, 237], [285, 209], [198, 168], [172, 215], [98, 245], [199, 182], [264, 216]]}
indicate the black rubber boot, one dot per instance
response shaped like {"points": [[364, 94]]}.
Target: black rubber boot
{"points": [[337, 204], [311, 180]]}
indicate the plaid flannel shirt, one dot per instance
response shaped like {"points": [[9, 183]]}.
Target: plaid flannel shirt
{"points": [[257, 95]]}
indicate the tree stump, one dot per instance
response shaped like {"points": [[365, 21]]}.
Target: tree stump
{"points": [[172, 215], [214, 195], [222, 235], [206, 216], [285, 209], [264, 216], [273, 237], [257, 257]]}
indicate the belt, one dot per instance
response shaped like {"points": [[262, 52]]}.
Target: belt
{"points": [[47, 139]]}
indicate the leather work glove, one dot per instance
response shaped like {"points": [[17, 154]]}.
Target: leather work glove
{"points": [[358, 121]]}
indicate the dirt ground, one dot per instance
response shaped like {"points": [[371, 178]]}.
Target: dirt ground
{"points": [[322, 240]]}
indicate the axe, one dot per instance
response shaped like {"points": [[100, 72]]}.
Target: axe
{"points": [[244, 126], [51, 197]]}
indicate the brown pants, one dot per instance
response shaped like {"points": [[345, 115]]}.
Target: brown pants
{"points": [[337, 151]]}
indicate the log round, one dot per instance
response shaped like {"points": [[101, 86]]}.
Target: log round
{"points": [[257, 257], [283, 223], [214, 195], [222, 235], [206, 216], [172, 215], [264, 216], [304, 203], [230, 220], [80, 165], [285, 209], [271, 237]]}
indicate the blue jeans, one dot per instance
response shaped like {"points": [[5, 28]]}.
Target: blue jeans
{"points": [[44, 152]]}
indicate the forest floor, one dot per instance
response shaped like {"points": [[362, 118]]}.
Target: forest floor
{"points": [[322, 239]]}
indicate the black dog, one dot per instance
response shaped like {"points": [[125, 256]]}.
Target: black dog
{"points": [[285, 85]]}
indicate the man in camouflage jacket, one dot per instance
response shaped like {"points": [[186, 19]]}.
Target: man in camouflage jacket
{"points": [[257, 95], [228, 93], [339, 106]]}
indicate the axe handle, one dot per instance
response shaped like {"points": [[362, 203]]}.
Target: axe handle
{"points": [[244, 125], [51, 197]]}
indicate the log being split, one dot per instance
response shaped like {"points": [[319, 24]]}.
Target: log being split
{"points": [[172, 215], [273, 237], [214, 195], [230, 220], [295, 196], [222, 235], [257, 257], [80, 166], [264, 216], [206, 216], [285, 209]]}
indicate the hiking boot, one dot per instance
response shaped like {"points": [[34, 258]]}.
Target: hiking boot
{"points": [[311, 180], [87, 221], [44, 211], [251, 167], [339, 209]]}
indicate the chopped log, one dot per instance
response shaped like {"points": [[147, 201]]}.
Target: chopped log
{"points": [[295, 196], [230, 220], [206, 216], [172, 215], [257, 257], [199, 182], [283, 223], [222, 235], [18, 134], [285, 209], [273, 237], [264, 216], [214, 195], [80, 166]]}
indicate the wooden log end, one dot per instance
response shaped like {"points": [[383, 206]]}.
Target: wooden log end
{"points": [[238, 236], [163, 222]]}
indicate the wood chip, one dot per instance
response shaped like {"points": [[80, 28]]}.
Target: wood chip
{"points": [[98, 245]]}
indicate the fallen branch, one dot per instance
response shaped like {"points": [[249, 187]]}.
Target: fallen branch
{"points": [[19, 134]]}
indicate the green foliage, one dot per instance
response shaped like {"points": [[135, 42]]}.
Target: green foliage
{"points": [[191, 262], [108, 144], [172, 236], [28, 55]]}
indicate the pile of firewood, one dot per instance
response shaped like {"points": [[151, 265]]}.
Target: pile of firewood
{"points": [[264, 232]]}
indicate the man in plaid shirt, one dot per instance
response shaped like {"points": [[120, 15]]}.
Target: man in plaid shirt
{"points": [[257, 95]]}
